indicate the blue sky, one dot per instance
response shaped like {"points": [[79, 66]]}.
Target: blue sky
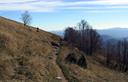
{"points": [[58, 14]]}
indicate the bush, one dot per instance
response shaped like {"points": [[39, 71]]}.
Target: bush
{"points": [[75, 59], [65, 70]]}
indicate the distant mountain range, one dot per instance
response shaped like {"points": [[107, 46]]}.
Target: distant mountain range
{"points": [[113, 33], [117, 33], [60, 33]]}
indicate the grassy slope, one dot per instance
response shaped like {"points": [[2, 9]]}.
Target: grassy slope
{"points": [[26, 54], [95, 72]]}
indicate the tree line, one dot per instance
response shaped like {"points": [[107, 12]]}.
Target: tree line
{"points": [[83, 37], [116, 54], [88, 40]]}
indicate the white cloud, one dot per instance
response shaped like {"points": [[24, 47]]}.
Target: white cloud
{"points": [[53, 5], [8, 1], [95, 8], [14, 1], [115, 1], [36, 6], [104, 11]]}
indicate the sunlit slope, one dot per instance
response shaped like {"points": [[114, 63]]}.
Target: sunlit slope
{"points": [[26, 54]]}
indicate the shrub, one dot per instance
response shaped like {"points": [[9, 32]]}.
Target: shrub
{"points": [[65, 70]]}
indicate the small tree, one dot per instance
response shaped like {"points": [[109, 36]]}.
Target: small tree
{"points": [[26, 18]]}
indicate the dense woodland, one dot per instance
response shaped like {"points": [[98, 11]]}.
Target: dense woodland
{"points": [[87, 39], [117, 54]]}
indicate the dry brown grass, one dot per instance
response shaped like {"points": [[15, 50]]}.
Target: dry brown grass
{"points": [[95, 71], [25, 53]]}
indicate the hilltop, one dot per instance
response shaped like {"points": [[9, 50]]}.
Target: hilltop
{"points": [[31, 56]]}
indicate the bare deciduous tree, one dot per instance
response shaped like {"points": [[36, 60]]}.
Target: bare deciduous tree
{"points": [[117, 55], [26, 18], [85, 38]]}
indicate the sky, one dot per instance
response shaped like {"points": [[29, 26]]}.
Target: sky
{"points": [[54, 15]]}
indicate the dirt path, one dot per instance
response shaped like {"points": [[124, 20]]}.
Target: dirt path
{"points": [[59, 70]]}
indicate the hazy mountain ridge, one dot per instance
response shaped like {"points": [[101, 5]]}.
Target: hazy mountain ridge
{"points": [[118, 33], [112, 33]]}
